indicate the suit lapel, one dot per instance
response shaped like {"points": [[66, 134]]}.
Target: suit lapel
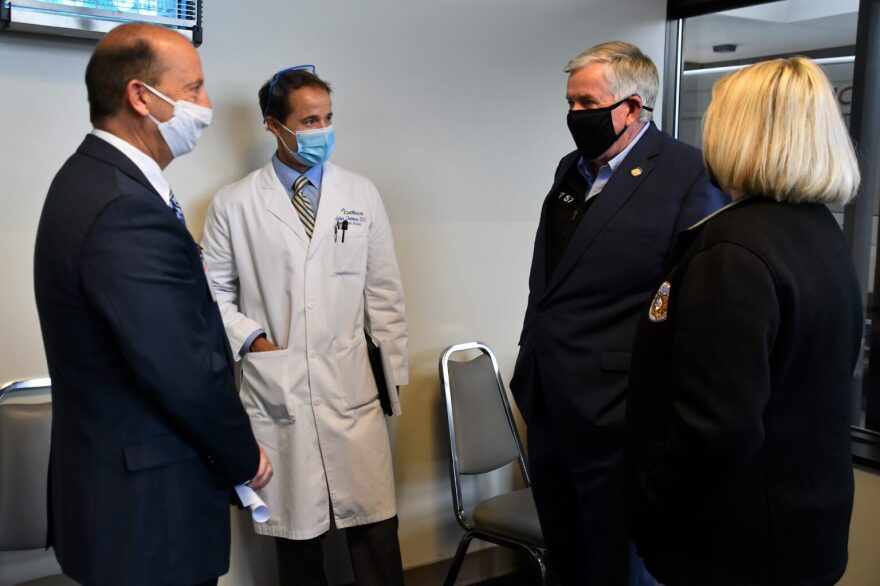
{"points": [[623, 183], [100, 149], [278, 202], [538, 282]]}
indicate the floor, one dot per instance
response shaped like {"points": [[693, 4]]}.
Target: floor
{"points": [[521, 578]]}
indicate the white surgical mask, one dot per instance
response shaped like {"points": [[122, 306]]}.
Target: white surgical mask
{"points": [[182, 131]]}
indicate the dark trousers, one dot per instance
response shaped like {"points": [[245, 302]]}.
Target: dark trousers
{"points": [[374, 551], [579, 496]]}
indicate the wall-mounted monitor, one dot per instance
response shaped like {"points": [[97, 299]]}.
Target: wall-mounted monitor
{"points": [[94, 18]]}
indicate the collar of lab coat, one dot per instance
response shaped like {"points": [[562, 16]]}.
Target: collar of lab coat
{"points": [[278, 202]]}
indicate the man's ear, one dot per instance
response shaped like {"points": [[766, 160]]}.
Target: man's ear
{"points": [[273, 126], [134, 97], [635, 109]]}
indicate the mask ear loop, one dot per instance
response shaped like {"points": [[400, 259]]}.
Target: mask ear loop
{"points": [[284, 142], [266, 122], [278, 136], [282, 126], [158, 94], [150, 89], [644, 107], [611, 109]]}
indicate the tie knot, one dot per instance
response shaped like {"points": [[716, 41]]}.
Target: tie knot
{"points": [[300, 184]]}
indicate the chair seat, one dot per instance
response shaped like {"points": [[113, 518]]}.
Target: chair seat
{"points": [[56, 580], [512, 515]]}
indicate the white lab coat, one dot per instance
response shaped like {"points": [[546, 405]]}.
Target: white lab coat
{"points": [[313, 405]]}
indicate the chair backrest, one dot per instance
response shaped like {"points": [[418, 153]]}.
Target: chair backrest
{"points": [[482, 433], [25, 429]]}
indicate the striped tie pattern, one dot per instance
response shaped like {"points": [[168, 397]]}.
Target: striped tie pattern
{"points": [[302, 204], [178, 211]]}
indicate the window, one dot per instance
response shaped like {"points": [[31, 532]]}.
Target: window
{"points": [[717, 43], [94, 18]]}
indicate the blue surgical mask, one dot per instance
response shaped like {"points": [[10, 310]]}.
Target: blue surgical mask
{"points": [[313, 147]]}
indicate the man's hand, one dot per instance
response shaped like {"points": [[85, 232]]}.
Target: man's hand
{"points": [[264, 472], [262, 344]]}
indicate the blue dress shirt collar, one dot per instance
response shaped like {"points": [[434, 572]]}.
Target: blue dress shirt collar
{"points": [[288, 175], [608, 168]]}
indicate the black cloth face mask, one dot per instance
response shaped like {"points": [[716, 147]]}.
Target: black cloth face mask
{"points": [[593, 130]]}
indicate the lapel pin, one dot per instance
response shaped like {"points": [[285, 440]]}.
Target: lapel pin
{"points": [[636, 172], [659, 309]]}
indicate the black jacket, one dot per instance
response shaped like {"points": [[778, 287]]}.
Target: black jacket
{"points": [[148, 433], [579, 325], [738, 463]]}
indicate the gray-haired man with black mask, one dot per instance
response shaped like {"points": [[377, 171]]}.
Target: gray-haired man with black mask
{"points": [[606, 227]]}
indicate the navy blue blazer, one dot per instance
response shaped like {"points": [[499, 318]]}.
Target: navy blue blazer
{"points": [[579, 325], [148, 433]]}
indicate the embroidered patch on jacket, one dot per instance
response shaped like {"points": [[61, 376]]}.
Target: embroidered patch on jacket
{"points": [[660, 304]]}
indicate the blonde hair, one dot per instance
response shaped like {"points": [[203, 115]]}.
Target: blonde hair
{"points": [[774, 129], [629, 72]]}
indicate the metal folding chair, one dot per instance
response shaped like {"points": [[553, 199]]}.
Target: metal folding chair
{"points": [[25, 430], [483, 438]]}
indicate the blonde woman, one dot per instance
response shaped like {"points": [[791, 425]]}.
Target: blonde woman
{"points": [[738, 459]]}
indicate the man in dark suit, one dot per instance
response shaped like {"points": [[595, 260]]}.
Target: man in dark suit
{"points": [[606, 227], [148, 433]]}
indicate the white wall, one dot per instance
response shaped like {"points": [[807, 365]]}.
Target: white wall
{"points": [[864, 532], [454, 108]]}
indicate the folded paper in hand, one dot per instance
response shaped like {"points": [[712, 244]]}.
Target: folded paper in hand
{"points": [[250, 499]]}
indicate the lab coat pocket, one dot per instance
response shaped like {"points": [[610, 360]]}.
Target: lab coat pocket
{"points": [[265, 386], [350, 257], [355, 375]]}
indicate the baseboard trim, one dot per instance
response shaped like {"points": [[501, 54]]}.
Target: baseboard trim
{"points": [[479, 565]]}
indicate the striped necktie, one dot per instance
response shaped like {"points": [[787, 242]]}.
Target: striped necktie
{"points": [[302, 204], [178, 211]]}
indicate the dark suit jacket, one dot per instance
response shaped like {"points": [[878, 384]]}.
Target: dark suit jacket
{"points": [[738, 462], [578, 330], [148, 433]]}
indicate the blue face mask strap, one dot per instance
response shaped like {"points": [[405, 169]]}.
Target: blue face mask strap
{"points": [[310, 68]]}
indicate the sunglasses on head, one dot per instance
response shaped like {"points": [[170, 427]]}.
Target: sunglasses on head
{"points": [[308, 68]]}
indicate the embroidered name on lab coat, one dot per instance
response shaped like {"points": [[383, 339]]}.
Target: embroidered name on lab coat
{"points": [[353, 217]]}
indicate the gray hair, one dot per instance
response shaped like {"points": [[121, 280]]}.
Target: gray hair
{"points": [[629, 72]]}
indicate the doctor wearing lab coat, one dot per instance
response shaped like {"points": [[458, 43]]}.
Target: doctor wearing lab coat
{"points": [[302, 260]]}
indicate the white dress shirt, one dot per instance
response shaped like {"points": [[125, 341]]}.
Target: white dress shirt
{"points": [[142, 161]]}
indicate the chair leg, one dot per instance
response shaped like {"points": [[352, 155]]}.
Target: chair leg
{"points": [[540, 565], [458, 559]]}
